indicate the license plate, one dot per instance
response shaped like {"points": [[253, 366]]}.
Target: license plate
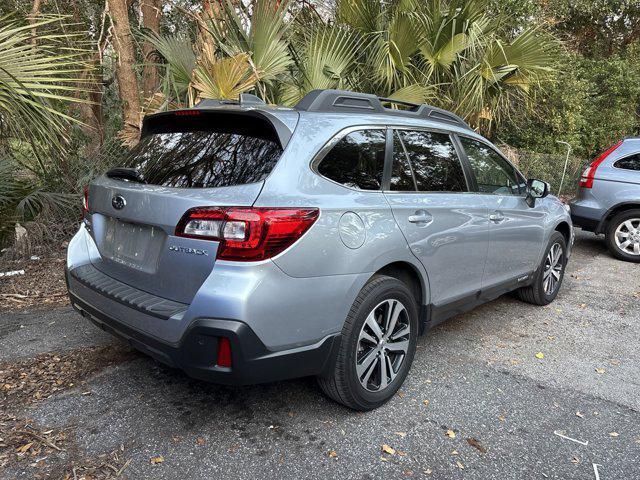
{"points": [[132, 244]]}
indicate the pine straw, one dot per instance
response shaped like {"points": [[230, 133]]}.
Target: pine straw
{"points": [[52, 453], [42, 283]]}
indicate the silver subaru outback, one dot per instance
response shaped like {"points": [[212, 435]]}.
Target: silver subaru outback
{"points": [[246, 243]]}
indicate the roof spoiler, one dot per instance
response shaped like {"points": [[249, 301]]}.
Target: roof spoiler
{"points": [[342, 101], [282, 127]]}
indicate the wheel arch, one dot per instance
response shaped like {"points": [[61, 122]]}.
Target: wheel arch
{"points": [[613, 211], [564, 228], [417, 281]]}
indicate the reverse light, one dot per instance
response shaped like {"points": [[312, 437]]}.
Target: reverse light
{"points": [[587, 177], [247, 233]]}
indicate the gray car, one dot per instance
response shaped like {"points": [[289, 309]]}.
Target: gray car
{"points": [[608, 199], [246, 243]]}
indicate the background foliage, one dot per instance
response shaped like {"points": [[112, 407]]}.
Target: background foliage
{"points": [[526, 73]]}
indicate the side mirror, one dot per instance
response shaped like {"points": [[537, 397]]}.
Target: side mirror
{"points": [[536, 189]]}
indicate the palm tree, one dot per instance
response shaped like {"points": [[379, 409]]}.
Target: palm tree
{"points": [[39, 77], [450, 53], [35, 78]]}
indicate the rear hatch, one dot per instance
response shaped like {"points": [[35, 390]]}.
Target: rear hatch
{"points": [[185, 159]]}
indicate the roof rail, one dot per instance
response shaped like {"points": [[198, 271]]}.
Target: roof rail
{"points": [[343, 101], [244, 99]]}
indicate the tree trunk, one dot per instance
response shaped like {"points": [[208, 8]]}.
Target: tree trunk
{"points": [[151, 11], [35, 11], [125, 73]]}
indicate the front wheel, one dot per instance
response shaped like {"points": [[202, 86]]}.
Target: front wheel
{"points": [[377, 348], [623, 236], [549, 276]]}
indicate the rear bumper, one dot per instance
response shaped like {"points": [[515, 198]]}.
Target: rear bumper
{"points": [[586, 217], [196, 352]]}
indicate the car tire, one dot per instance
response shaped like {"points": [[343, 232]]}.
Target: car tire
{"points": [[353, 385], [620, 223], [540, 292]]}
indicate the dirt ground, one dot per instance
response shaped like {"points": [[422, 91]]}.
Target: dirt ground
{"points": [[507, 391]]}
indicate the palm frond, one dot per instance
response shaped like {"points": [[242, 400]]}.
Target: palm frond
{"points": [[224, 78], [34, 79], [262, 36]]}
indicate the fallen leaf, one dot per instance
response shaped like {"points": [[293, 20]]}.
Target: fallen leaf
{"points": [[614, 434], [614, 362], [476, 444], [502, 417], [540, 355], [579, 414], [600, 370], [400, 393], [583, 305], [450, 434], [575, 460], [156, 460], [427, 471], [401, 434], [201, 441], [460, 465], [387, 449], [454, 452], [332, 454], [383, 459], [401, 453], [408, 473], [25, 447], [426, 403]]}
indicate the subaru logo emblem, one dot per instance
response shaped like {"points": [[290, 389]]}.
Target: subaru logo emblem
{"points": [[118, 202]]}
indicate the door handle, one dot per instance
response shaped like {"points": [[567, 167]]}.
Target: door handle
{"points": [[420, 216], [496, 217]]}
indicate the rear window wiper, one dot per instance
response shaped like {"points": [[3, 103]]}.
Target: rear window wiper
{"points": [[130, 174]]}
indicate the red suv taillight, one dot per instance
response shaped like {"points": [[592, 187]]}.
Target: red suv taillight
{"points": [[247, 233], [587, 177]]}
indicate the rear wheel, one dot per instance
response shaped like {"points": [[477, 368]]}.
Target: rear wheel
{"points": [[378, 344], [623, 236], [548, 277]]}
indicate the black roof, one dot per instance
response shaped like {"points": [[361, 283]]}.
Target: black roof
{"points": [[342, 101]]}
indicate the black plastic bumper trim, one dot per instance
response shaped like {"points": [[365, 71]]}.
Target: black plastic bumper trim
{"points": [[145, 302], [197, 351], [586, 223]]}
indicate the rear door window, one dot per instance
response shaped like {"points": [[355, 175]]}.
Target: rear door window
{"points": [[629, 163], [204, 158], [357, 160], [426, 162]]}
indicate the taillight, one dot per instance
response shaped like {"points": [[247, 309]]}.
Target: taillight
{"points": [[587, 177], [85, 200], [224, 352], [247, 233]]}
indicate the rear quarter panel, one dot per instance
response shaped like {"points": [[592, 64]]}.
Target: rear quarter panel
{"points": [[322, 251]]}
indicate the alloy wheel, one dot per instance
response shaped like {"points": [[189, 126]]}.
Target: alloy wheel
{"points": [[627, 236], [553, 266], [383, 344]]}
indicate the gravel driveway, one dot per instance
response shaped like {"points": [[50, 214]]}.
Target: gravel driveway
{"points": [[477, 404]]}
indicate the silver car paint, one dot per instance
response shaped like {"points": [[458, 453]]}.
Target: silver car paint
{"points": [[305, 293], [612, 187]]}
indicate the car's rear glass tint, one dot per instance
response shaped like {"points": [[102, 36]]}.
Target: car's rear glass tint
{"points": [[193, 154], [629, 163], [357, 160]]}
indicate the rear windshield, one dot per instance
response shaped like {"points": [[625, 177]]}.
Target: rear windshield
{"points": [[190, 156]]}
